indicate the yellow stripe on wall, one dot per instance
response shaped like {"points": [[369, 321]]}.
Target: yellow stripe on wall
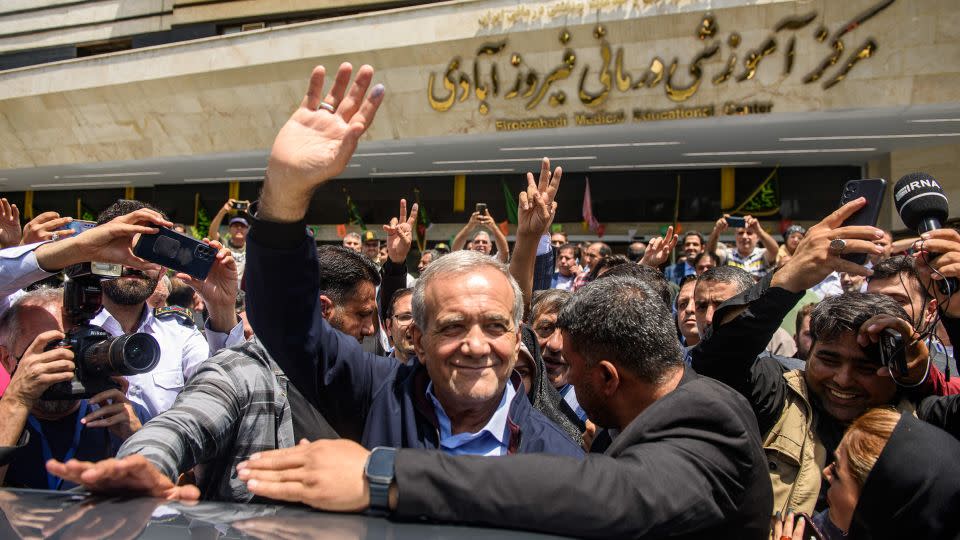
{"points": [[459, 192], [727, 188]]}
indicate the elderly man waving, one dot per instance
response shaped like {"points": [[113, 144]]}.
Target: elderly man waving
{"points": [[462, 396]]}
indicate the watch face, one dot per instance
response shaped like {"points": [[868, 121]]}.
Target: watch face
{"points": [[380, 464]]}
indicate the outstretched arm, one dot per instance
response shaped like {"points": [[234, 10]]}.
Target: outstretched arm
{"points": [[503, 248], [214, 232], [714, 237], [536, 211], [460, 239], [768, 242], [313, 146]]}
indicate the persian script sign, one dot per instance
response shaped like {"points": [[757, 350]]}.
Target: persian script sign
{"points": [[484, 80]]}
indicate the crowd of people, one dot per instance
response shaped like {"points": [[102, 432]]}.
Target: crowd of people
{"points": [[685, 389]]}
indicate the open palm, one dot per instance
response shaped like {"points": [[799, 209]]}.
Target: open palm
{"points": [[10, 230], [316, 145]]}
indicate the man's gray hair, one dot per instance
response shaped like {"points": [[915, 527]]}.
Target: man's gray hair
{"points": [[352, 235], [477, 233], [461, 262], [10, 320]]}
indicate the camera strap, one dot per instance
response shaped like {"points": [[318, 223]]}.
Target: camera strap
{"points": [[55, 482]]}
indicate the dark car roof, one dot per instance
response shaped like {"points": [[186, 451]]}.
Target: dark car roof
{"points": [[26, 513]]}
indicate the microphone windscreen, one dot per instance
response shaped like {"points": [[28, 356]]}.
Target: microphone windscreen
{"points": [[918, 196]]}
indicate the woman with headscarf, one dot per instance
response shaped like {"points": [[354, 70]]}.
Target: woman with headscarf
{"points": [[894, 477]]}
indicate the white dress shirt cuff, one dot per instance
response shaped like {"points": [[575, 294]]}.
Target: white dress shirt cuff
{"points": [[19, 268], [220, 340]]}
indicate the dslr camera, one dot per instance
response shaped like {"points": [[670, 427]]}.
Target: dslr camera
{"points": [[97, 355]]}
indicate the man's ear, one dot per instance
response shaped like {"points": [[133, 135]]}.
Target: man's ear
{"points": [[326, 306], [7, 360], [931, 311], [610, 376], [416, 337]]}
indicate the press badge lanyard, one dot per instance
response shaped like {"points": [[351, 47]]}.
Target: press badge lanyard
{"points": [[53, 482]]}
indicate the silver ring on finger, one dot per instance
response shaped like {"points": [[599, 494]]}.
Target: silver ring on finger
{"points": [[324, 106], [55, 237], [837, 245]]}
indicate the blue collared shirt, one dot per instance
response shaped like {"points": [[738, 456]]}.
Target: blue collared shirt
{"points": [[490, 441], [570, 396]]}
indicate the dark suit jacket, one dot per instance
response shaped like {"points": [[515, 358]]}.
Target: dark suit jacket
{"points": [[689, 466], [371, 399]]}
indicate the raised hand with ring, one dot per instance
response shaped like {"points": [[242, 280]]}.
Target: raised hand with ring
{"points": [[837, 245]]}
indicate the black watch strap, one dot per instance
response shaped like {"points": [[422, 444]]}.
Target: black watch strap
{"points": [[380, 472]]}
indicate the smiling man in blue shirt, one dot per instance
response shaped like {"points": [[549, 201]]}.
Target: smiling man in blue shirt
{"points": [[467, 310]]}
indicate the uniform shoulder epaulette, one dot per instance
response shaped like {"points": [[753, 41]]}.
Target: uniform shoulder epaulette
{"points": [[181, 314]]}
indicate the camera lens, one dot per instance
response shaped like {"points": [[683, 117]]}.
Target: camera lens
{"points": [[128, 354], [135, 353]]}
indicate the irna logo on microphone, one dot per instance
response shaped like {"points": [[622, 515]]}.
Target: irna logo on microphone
{"points": [[916, 184]]}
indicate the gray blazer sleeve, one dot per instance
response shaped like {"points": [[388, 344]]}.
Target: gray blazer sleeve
{"points": [[200, 425]]}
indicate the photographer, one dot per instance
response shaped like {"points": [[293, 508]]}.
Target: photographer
{"points": [[747, 255], [125, 311], [35, 429], [478, 231], [238, 226], [182, 346]]}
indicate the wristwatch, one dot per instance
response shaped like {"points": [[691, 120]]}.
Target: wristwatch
{"points": [[379, 472]]}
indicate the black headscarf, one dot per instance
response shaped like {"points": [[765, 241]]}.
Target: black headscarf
{"points": [[913, 491], [544, 396]]}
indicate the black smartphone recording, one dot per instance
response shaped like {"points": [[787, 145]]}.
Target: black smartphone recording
{"points": [[892, 352], [481, 208], [873, 189], [737, 221], [176, 251]]}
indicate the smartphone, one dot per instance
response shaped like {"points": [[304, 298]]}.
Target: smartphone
{"points": [[241, 206], [892, 353], [481, 208], [176, 251], [737, 221], [873, 189], [78, 226]]}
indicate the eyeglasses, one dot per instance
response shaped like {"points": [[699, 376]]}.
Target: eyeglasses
{"points": [[404, 318]]}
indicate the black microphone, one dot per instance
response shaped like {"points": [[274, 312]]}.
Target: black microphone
{"points": [[923, 207]]}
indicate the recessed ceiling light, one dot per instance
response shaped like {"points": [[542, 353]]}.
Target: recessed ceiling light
{"points": [[512, 160], [352, 165], [575, 146], [675, 165], [80, 184], [248, 169], [770, 152], [454, 171], [933, 120], [853, 137], [376, 154], [109, 175], [223, 179]]}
